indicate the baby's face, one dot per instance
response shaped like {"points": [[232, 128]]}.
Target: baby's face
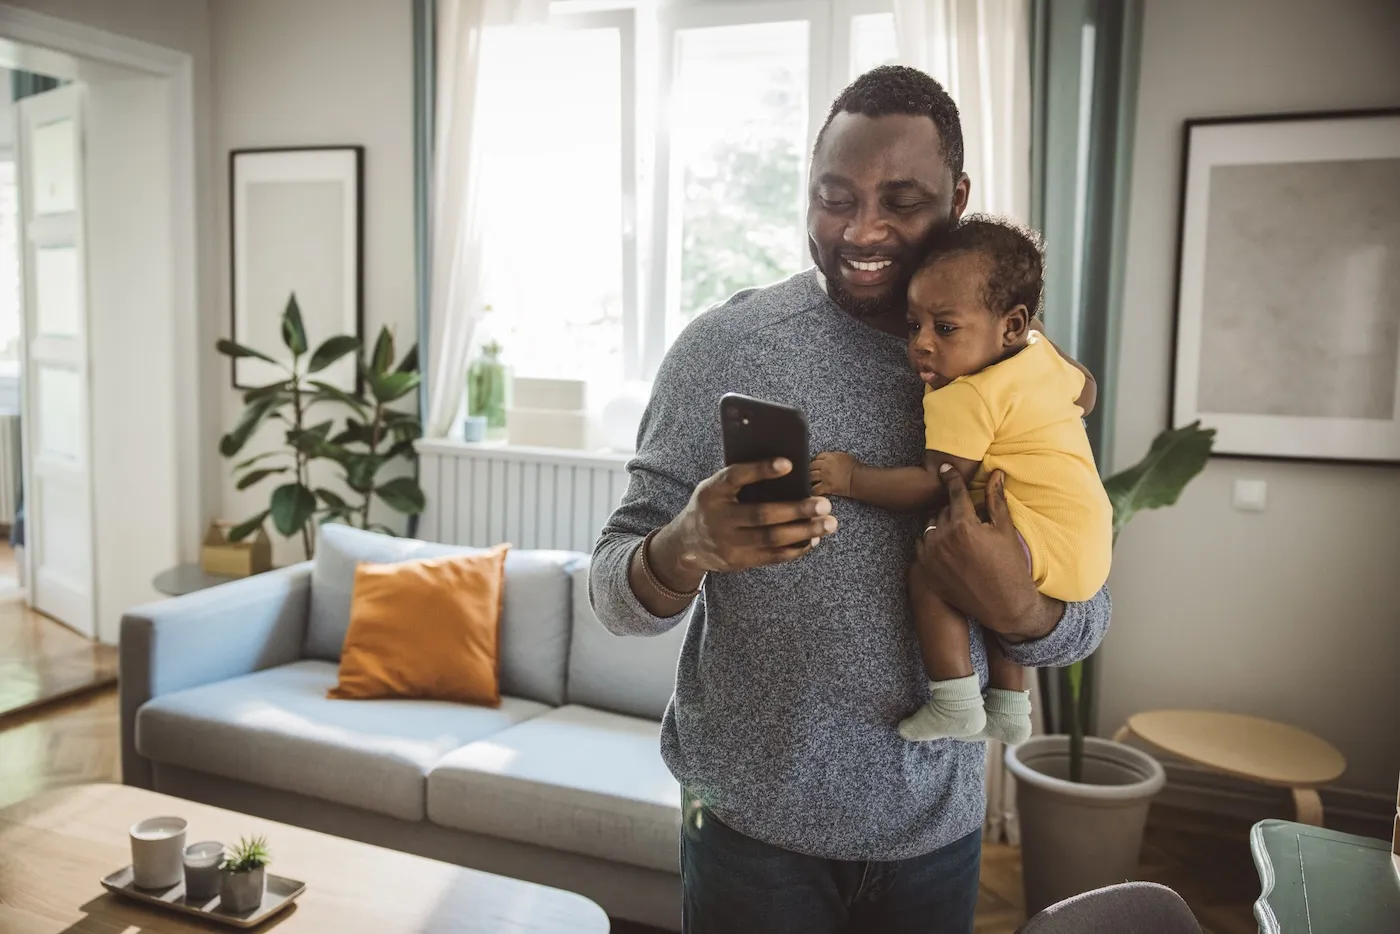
{"points": [[952, 332]]}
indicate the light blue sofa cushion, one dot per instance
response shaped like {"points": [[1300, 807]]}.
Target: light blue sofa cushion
{"points": [[574, 779], [535, 616], [277, 728], [634, 675]]}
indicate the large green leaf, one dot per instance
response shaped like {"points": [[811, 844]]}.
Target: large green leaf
{"points": [[360, 470], [1176, 455], [390, 386], [243, 529], [280, 390], [311, 441], [293, 331], [255, 476], [383, 357], [292, 505], [409, 363], [403, 494], [399, 449], [331, 498], [252, 417], [325, 392], [355, 432], [229, 349], [332, 350]]}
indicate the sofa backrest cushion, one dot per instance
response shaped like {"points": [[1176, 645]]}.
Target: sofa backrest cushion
{"points": [[631, 675], [535, 616]]}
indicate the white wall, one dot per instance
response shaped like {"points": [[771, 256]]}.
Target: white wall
{"points": [[321, 72], [132, 336], [1294, 613]]}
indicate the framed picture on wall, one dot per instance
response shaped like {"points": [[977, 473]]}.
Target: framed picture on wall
{"points": [[1288, 286], [297, 228]]}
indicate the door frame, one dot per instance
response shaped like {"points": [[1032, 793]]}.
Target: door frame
{"points": [[42, 32]]}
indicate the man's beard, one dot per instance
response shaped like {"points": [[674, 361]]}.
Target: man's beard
{"points": [[895, 301]]}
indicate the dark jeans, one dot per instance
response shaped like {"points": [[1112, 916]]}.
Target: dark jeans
{"points": [[735, 884]]}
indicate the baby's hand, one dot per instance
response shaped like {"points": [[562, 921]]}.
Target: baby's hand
{"points": [[831, 473]]}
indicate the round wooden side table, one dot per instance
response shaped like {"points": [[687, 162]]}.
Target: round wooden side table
{"points": [[1251, 748]]}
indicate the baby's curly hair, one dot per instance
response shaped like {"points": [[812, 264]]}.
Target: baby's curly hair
{"points": [[1016, 254]]}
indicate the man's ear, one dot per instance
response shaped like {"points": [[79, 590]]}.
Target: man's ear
{"points": [[962, 189], [1014, 324]]}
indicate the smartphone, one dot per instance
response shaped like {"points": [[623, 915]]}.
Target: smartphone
{"points": [[757, 430]]}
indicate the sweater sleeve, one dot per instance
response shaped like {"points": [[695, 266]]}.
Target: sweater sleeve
{"points": [[672, 457], [1080, 630]]}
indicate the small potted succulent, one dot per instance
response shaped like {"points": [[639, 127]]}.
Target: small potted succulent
{"points": [[244, 875]]}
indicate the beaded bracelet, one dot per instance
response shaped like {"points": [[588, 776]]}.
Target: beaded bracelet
{"points": [[665, 591]]}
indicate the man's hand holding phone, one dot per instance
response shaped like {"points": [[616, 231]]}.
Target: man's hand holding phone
{"points": [[717, 532]]}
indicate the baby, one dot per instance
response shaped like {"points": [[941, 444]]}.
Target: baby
{"points": [[999, 396]]}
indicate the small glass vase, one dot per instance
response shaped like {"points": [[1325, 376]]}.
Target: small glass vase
{"points": [[487, 380]]}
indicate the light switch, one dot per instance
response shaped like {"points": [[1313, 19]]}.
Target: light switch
{"points": [[1251, 495]]}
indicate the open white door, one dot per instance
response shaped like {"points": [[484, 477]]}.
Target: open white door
{"points": [[58, 496]]}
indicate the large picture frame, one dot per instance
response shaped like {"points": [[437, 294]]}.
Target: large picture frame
{"points": [[1287, 336], [297, 226]]}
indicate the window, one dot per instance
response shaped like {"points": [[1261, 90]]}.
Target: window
{"points": [[666, 172]]}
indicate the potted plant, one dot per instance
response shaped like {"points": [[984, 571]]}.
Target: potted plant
{"points": [[1083, 801], [373, 437], [244, 875]]}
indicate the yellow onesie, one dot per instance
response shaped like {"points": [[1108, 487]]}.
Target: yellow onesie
{"points": [[1019, 416]]}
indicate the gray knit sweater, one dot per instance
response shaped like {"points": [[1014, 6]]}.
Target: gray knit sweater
{"points": [[792, 678]]}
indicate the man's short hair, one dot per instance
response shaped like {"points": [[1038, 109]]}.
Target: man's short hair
{"points": [[1015, 259], [899, 89]]}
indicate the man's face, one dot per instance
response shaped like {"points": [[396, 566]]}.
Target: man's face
{"points": [[879, 190]]}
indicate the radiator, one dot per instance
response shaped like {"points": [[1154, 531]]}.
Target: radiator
{"points": [[485, 494], [11, 468]]}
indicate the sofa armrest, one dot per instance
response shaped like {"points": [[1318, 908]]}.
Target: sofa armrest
{"points": [[207, 636]]}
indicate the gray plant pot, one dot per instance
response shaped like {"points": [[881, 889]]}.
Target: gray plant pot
{"points": [[1077, 837], [242, 892]]}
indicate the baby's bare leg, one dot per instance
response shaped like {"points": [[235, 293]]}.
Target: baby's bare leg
{"points": [[1002, 672], [955, 708]]}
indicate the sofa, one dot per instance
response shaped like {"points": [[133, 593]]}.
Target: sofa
{"points": [[223, 700]]}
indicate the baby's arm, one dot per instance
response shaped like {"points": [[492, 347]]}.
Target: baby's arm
{"points": [[1090, 394], [898, 489]]}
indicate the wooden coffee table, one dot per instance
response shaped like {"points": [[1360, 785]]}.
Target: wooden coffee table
{"points": [[1245, 747], [56, 848]]}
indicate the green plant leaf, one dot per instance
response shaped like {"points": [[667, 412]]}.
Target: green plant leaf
{"points": [[325, 392], [244, 465], [331, 499], [229, 349], [409, 363], [248, 855], [407, 431], [390, 386], [1176, 456], [360, 470], [252, 417], [400, 449], [354, 432], [403, 494], [332, 350], [247, 527], [270, 391], [292, 505], [293, 331], [383, 356], [253, 477]]}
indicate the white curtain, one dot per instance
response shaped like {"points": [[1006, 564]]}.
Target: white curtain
{"points": [[980, 51], [456, 303]]}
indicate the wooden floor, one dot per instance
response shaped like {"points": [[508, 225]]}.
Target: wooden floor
{"points": [[1205, 858], [40, 660]]}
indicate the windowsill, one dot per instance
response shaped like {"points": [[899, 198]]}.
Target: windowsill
{"points": [[499, 450]]}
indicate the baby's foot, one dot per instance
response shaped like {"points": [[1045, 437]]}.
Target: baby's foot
{"points": [[954, 712], [1008, 716]]}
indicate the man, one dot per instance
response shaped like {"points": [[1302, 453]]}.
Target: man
{"points": [[804, 809]]}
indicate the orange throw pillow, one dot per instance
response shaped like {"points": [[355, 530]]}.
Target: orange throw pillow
{"points": [[428, 628]]}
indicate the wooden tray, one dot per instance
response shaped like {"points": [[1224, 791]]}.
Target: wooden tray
{"points": [[281, 892]]}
